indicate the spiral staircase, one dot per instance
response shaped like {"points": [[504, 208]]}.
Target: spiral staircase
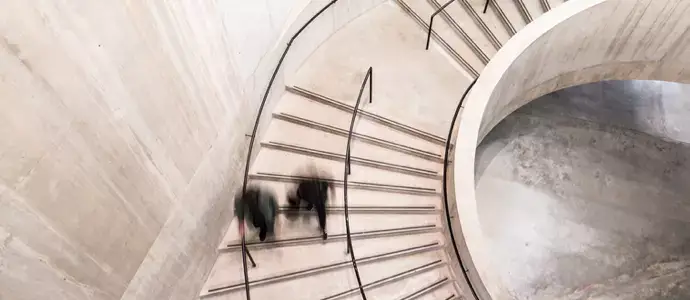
{"points": [[396, 208]]}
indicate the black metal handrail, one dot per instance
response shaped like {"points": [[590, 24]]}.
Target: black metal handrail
{"points": [[445, 190], [486, 5], [431, 22], [349, 249], [256, 126]]}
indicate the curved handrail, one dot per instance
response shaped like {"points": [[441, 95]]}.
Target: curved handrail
{"points": [[256, 126], [431, 21], [349, 249], [445, 190]]}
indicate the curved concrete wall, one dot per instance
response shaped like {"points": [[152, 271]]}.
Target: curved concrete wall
{"points": [[123, 136], [579, 42]]}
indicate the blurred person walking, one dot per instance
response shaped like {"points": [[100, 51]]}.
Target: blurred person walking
{"points": [[258, 206], [313, 188]]}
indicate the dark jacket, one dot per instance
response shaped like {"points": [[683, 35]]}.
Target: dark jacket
{"points": [[256, 205]]}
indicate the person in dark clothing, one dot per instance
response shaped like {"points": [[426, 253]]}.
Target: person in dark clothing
{"points": [[314, 190], [259, 207]]}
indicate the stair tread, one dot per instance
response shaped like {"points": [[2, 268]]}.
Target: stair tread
{"points": [[467, 23], [492, 19], [332, 282], [510, 8], [286, 163], [281, 131], [308, 109], [287, 227], [424, 10], [285, 260]]}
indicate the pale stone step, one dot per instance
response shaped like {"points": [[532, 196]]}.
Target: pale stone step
{"points": [[445, 292], [381, 142], [467, 23], [410, 84], [354, 159], [357, 197], [236, 246], [404, 289], [304, 288], [397, 271], [492, 18], [351, 184], [329, 283], [370, 115], [545, 5], [534, 8], [281, 131], [300, 106], [288, 227], [424, 10], [512, 10], [556, 3], [287, 163], [315, 259]]}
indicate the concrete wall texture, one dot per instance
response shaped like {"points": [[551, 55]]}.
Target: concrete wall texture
{"points": [[583, 193], [123, 128]]}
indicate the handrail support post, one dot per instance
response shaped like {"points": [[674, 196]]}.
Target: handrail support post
{"points": [[431, 22]]}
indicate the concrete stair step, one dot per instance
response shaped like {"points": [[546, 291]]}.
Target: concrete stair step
{"points": [[288, 263], [495, 18], [367, 114], [470, 27], [433, 156], [412, 288], [289, 227], [529, 9], [512, 10], [235, 245], [286, 163], [357, 197], [297, 105], [281, 131], [326, 284], [355, 209], [420, 11], [397, 271], [354, 159]]}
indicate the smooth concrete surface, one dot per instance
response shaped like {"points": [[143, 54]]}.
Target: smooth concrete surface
{"points": [[124, 136], [579, 201], [621, 40], [414, 86]]}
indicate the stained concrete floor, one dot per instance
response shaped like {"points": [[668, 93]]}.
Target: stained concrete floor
{"points": [[585, 193]]}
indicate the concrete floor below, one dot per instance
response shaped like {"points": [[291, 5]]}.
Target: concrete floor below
{"points": [[585, 193]]}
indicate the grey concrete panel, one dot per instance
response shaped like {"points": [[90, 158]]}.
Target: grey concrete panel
{"points": [[579, 200]]}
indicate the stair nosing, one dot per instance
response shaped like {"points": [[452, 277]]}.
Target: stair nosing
{"points": [[422, 268], [364, 138], [435, 285], [396, 125], [503, 17], [403, 189], [306, 272], [479, 22], [419, 229], [461, 33], [279, 146], [524, 12], [427, 209], [463, 63]]}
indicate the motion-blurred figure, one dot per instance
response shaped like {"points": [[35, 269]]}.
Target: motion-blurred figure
{"points": [[258, 206], [313, 189]]}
